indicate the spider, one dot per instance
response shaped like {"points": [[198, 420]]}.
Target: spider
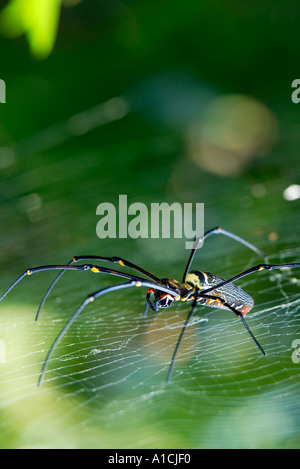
{"points": [[200, 288]]}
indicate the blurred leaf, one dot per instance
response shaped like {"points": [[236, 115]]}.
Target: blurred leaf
{"points": [[38, 19]]}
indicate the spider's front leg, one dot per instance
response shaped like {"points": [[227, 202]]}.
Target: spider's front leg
{"points": [[135, 282], [41, 269], [83, 267], [114, 259]]}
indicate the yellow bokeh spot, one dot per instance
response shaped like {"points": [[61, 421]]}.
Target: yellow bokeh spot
{"points": [[234, 130], [37, 19]]}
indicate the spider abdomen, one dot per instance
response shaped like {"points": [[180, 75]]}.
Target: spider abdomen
{"points": [[229, 293]]}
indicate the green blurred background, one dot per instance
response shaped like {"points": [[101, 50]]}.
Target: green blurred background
{"points": [[164, 102]]}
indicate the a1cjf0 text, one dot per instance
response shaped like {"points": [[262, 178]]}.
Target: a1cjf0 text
{"points": [[162, 458]]}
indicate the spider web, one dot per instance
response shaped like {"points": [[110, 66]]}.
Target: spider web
{"points": [[115, 361], [105, 384]]}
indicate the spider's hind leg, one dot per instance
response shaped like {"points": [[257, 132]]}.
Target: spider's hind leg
{"points": [[240, 315]]}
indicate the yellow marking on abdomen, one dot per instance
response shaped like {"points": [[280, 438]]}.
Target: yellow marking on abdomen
{"points": [[194, 280]]}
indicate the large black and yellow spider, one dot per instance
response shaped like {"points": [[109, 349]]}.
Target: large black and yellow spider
{"points": [[201, 288]]}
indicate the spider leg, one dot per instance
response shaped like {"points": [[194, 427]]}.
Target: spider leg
{"points": [[146, 309], [121, 261], [219, 230], [149, 302], [40, 269], [49, 289], [239, 314], [89, 299], [192, 310], [257, 268], [84, 267], [114, 259]]}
